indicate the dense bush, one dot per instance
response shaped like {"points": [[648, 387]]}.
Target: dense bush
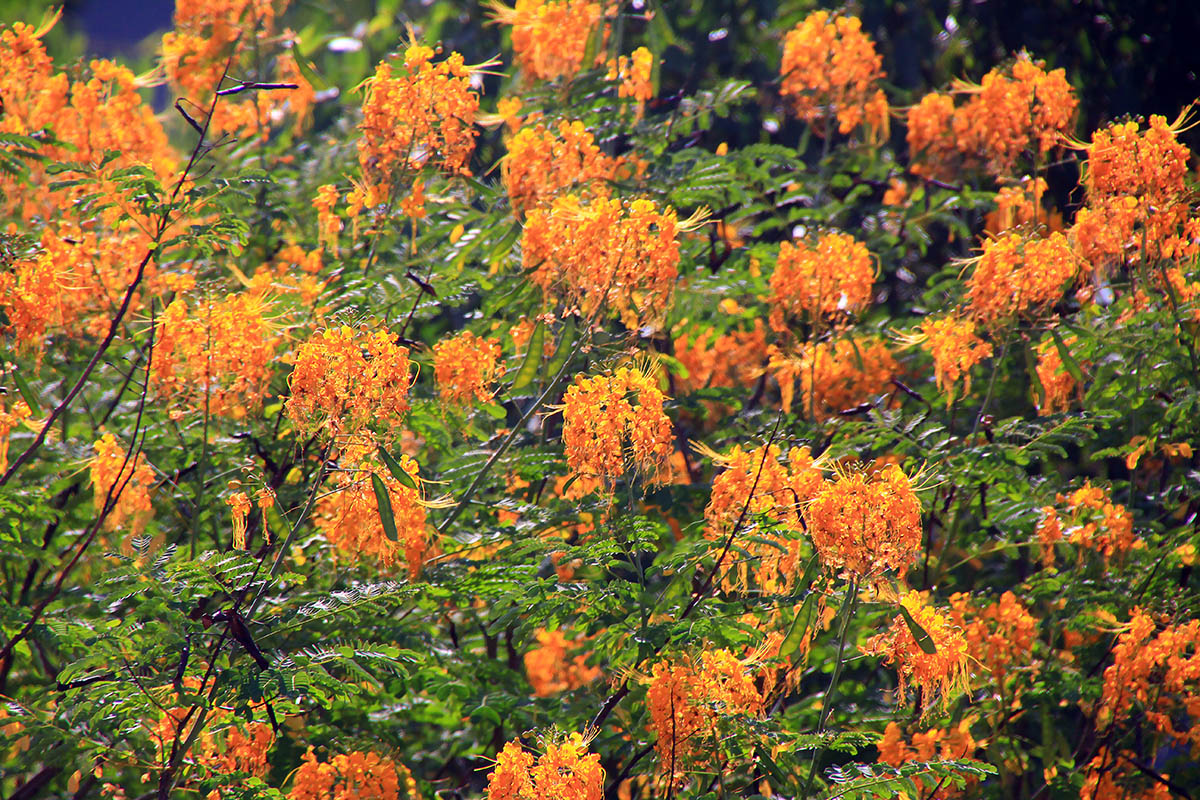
{"points": [[593, 420]]}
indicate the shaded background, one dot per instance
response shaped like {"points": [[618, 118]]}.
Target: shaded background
{"points": [[1136, 57]]}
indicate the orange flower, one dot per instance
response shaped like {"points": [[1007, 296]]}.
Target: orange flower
{"points": [[208, 34], [999, 636], [944, 670], [1016, 275], [731, 359], [541, 163], [833, 276], [550, 37], [225, 746], [606, 253], [219, 358], [1049, 532], [1013, 110], [1021, 205], [551, 667], [634, 73], [345, 379], [955, 349], [1099, 523], [1159, 672], [1058, 385], [934, 744], [423, 116], [602, 413], [772, 556], [349, 516], [357, 774], [830, 65], [91, 111], [687, 696], [8, 421], [1137, 193], [71, 282], [413, 206], [844, 372], [239, 506], [128, 479], [932, 148], [467, 365], [328, 223], [565, 770], [864, 524]]}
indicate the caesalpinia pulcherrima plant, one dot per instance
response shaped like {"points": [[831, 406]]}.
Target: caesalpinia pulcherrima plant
{"points": [[659, 409]]}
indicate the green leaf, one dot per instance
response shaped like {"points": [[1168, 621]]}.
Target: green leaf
{"points": [[1031, 369], [565, 344], [384, 502], [795, 636], [1068, 360], [924, 640], [398, 472], [533, 359], [26, 391], [493, 410]]}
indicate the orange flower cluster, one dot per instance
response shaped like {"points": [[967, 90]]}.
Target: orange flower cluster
{"points": [[938, 743], [93, 115], [550, 37], [1049, 533], [604, 253], [844, 372], [219, 358], [731, 359], [8, 421], [130, 484], [688, 697], [466, 366], [423, 116], [239, 508], [1017, 275], [999, 636], [1159, 672], [931, 745], [352, 776], [1137, 194], [830, 67], [564, 770], [349, 516], [863, 523], [833, 276], [208, 33], [345, 379], [944, 670], [1100, 524], [1014, 110], [328, 223], [541, 163], [603, 412], [557, 665], [1058, 386], [778, 493], [1022, 205], [1116, 775], [955, 348], [634, 72], [71, 283], [223, 748]]}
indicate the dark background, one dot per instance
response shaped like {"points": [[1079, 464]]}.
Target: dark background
{"points": [[1136, 57]]}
